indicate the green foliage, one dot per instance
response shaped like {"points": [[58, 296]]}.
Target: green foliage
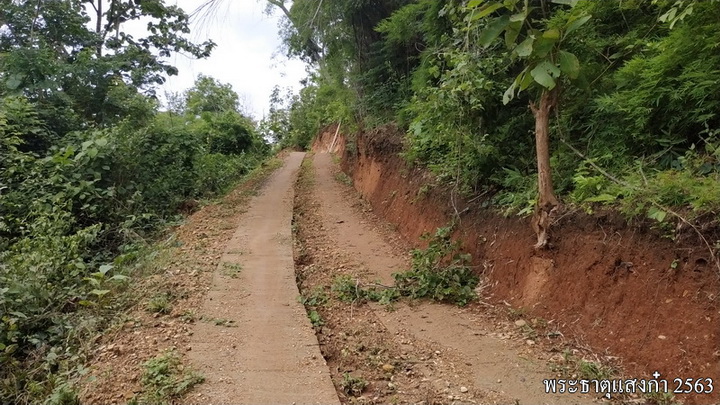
{"points": [[439, 272], [347, 289], [316, 298], [315, 318], [643, 102], [166, 379], [209, 95], [353, 386], [159, 304], [90, 172]]}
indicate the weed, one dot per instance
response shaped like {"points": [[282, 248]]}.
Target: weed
{"points": [[661, 398], [231, 270], [165, 378], [188, 316], [583, 369], [160, 304], [315, 318], [347, 289], [228, 323], [516, 313], [316, 298], [344, 178], [353, 386], [529, 332], [591, 370], [439, 272]]}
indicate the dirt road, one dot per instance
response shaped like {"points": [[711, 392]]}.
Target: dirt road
{"points": [[255, 344], [435, 353]]}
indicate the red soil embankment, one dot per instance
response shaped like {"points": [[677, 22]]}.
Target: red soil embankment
{"points": [[623, 290]]}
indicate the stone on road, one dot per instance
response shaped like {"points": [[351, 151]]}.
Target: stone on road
{"points": [[255, 344]]}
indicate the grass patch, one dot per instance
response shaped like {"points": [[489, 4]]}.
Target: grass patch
{"points": [[343, 178], [438, 272], [231, 270], [353, 386], [159, 304], [165, 379], [583, 369]]}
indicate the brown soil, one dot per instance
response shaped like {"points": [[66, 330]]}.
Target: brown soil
{"points": [[618, 288], [416, 352]]}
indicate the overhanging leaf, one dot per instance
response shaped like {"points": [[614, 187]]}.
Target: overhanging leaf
{"points": [[524, 49], [569, 64], [543, 46], [486, 10], [509, 93], [574, 24], [552, 34], [105, 268], [570, 3], [99, 293], [542, 77], [524, 80], [493, 30], [511, 34]]}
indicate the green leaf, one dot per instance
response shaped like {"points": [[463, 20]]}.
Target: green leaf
{"points": [[570, 3], [486, 10], [524, 49], [519, 17], [550, 68], [552, 34], [493, 30], [101, 142], [509, 93], [574, 24], [525, 80], [92, 152], [99, 293], [542, 77], [543, 46], [602, 198], [118, 277], [105, 268], [569, 64], [475, 3], [14, 81], [656, 214]]}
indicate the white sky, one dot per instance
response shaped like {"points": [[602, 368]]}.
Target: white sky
{"points": [[247, 55]]}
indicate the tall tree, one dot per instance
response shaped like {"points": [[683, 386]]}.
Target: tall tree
{"points": [[76, 52], [537, 42]]}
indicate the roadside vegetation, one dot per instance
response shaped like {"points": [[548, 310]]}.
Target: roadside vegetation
{"points": [[621, 96], [92, 172]]}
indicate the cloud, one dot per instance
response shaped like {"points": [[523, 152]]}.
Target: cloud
{"points": [[246, 55]]}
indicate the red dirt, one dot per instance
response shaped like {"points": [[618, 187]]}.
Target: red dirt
{"points": [[410, 352], [609, 284]]}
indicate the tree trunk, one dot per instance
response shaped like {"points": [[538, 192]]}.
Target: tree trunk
{"points": [[546, 202], [98, 28]]}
